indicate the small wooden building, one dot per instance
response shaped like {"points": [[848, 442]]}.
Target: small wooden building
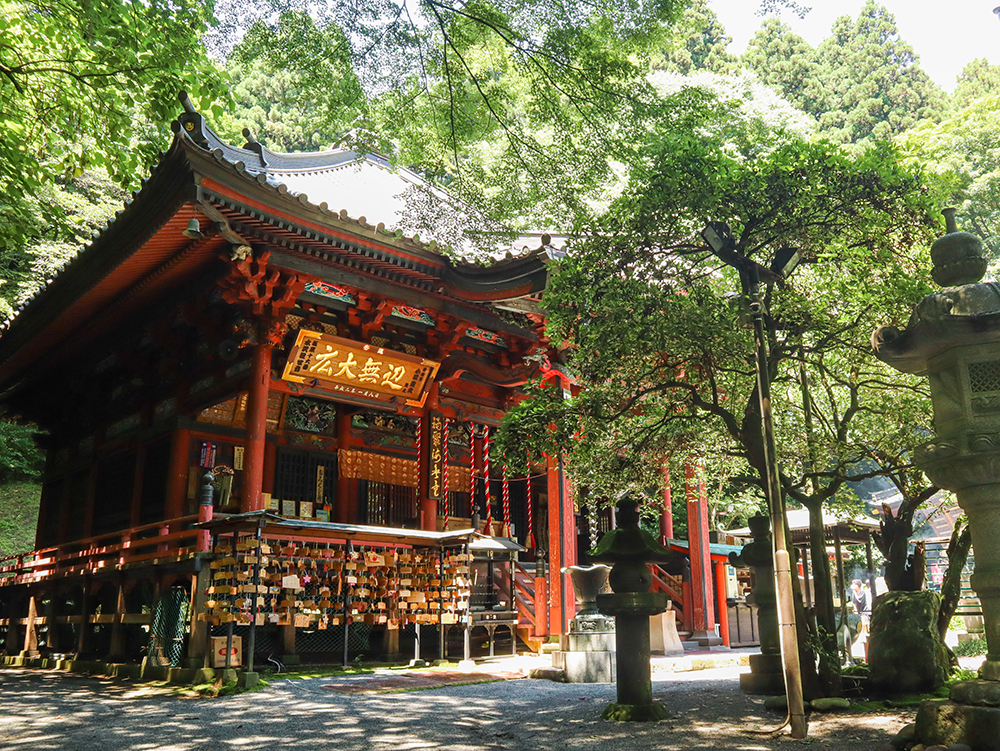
{"points": [[259, 317]]}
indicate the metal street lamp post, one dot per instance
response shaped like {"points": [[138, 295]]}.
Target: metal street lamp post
{"points": [[719, 239]]}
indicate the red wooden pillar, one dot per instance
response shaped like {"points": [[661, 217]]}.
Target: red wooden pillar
{"points": [[699, 553], [667, 512], [720, 598], [270, 461], [562, 546], [177, 474], [343, 507], [260, 381]]}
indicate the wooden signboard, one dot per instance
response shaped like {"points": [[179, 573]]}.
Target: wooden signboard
{"points": [[435, 473], [356, 369]]}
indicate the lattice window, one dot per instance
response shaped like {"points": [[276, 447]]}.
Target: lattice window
{"points": [[388, 505], [295, 476], [984, 376]]}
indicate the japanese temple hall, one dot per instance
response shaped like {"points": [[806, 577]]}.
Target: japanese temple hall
{"points": [[266, 406]]}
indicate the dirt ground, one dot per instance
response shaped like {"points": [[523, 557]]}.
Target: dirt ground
{"points": [[42, 710]]}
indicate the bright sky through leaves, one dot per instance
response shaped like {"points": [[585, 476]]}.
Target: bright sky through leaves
{"points": [[946, 36]]}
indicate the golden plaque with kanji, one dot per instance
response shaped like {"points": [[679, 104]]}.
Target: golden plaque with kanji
{"points": [[357, 369]]}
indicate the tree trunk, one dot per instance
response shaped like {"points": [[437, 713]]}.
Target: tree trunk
{"points": [[951, 587], [826, 621]]}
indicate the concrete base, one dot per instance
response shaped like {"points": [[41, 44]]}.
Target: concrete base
{"points": [[765, 676], [586, 667], [248, 679], [943, 722], [467, 666], [663, 638], [706, 639], [229, 676], [130, 671], [418, 663]]}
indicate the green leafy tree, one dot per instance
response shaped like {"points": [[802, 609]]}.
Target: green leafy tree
{"points": [[651, 337], [85, 85], [874, 85], [697, 41], [961, 157], [294, 85], [786, 62], [978, 79]]}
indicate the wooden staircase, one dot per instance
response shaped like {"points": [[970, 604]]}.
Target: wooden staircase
{"points": [[674, 587], [521, 594]]}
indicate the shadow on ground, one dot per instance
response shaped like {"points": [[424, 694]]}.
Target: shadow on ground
{"points": [[50, 710]]}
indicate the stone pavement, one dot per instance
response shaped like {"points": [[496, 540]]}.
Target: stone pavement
{"points": [[47, 710]]}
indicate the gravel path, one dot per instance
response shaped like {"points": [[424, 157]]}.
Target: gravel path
{"points": [[50, 710]]}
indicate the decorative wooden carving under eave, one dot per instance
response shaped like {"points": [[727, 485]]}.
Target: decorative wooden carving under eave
{"points": [[266, 293]]}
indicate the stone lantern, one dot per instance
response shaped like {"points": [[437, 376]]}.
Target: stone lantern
{"points": [[953, 337], [630, 550], [766, 675]]}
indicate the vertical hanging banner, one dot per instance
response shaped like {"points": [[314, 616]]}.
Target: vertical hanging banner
{"points": [[320, 484], [436, 466]]}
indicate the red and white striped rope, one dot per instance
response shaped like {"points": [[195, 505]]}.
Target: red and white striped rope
{"points": [[486, 480], [506, 502]]}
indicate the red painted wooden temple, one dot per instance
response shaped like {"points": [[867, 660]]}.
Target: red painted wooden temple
{"points": [[337, 377], [234, 320]]}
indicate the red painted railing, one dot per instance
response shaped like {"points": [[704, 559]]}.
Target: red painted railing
{"points": [[664, 582], [109, 552], [524, 595]]}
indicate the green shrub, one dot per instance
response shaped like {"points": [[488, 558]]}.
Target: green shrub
{"points": [[973, 647], [20, 457]]}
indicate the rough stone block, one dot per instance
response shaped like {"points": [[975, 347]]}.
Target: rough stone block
{"points": [[548, 674], [906, 654], [943, 722]]}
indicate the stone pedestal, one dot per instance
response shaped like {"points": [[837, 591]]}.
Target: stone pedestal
{"points": [[587, 652], [765, 676], [589, 656], [663, 638]]}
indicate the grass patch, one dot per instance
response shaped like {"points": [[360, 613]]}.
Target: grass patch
{"points": [[320, 672], [18, 516], [217, 690]]}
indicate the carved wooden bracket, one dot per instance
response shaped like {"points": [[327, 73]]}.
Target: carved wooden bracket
{"points": [[266, 294]]}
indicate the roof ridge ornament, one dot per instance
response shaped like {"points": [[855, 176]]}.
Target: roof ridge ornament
{"points": [[190, 121], [254, 145]]}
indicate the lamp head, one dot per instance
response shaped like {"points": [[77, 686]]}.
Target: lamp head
{"points": [[785, 262], [718, 235]]}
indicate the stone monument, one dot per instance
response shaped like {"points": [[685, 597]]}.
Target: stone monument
{"points": [[766, 675], [589, 647], [953, 337], [630, 549]]}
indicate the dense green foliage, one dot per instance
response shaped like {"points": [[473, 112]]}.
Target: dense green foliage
{"points": [[85, 85], [18, 516]]}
